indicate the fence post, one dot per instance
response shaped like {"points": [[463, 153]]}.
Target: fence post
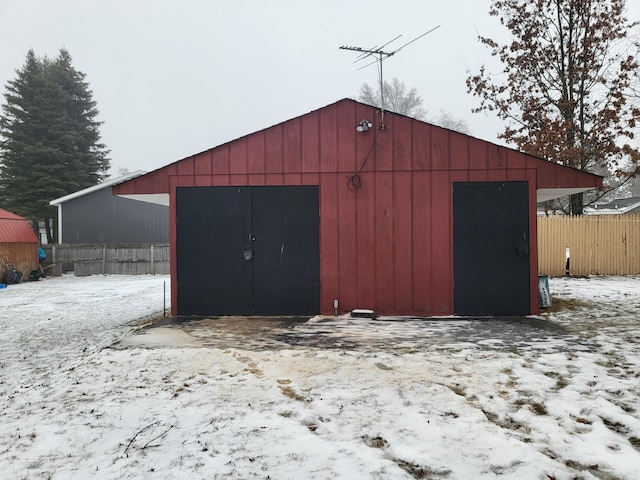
{"points": [[153, 270], [104, 259]]}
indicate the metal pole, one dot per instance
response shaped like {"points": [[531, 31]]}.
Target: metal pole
{"points": [[164, 298], [381, 93]]}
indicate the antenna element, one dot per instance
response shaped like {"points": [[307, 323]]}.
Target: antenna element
{"points": [[381, 55]]}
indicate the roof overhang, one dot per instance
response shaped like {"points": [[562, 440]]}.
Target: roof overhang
{"points": [[542, 195], [552, 180], [109, 183], [157, 198], [546, 194]]}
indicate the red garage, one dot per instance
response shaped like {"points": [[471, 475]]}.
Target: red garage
{"points": [[403, 218]]}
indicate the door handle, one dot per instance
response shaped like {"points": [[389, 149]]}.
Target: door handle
{"points": [[523, 249], [248, 251]]}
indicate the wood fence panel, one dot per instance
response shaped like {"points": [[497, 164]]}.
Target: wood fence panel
{"points": [[598, 245], [110, 259]]}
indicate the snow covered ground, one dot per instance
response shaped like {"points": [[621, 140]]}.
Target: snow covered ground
{"points": [[84, 393]]}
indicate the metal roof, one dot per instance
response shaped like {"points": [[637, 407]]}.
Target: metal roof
{"points": [[552, 180], [15, 229], [108, 183], [616, 207], [622, 203]]}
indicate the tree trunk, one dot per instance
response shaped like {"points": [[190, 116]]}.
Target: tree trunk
{"points": [[56, 236], [575, 204], [47, 226], [35, 226]]}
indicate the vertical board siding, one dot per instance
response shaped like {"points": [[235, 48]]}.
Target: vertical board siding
{"points": [[238, 157], [402, 243], [382, 156], [100, 217], [533, 241], [310, 143], [220, 160], [402, 145], [365, 238], [347, 254], [203, 180], [599, 245], [547, 175], [498, 156], [421, 243], [387, 245], [219, 181], [329, 140], [441, 242], [420, 148], [256, 153], [274, 179], [293, 179], [440, 158], [477, 155], [346, 140], [239, 179], [256, 180], [292, 146], [203, 163], [329, 234], [185, 180], [274, 150], [459, 152], [384, 245], [516, 160], [186, 166], [173, 262], [24, 256]]}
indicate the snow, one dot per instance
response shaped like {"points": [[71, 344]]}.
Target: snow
{"points": [[87, 390]]}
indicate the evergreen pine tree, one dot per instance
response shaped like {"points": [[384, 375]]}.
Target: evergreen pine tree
{"points": [[50, 143]]}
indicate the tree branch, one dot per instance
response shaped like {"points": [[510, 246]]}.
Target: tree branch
{"points": [[138, 433], [155, 438]]}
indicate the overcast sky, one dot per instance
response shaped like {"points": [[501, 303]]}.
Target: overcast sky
{"points": [[173, 78]]}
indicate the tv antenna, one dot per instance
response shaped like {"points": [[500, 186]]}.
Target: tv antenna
{"points": [[381, 55]]}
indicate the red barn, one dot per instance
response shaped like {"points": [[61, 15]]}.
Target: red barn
{"points": [[18, 244], [403, 218]]}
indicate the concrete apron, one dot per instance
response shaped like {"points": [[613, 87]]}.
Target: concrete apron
{"points": [[396, 334]]}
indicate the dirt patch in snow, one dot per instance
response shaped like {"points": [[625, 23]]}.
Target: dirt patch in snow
{"points": [[359, 334]]}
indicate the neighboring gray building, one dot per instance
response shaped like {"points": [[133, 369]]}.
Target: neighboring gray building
{"points": [[95, 215]]}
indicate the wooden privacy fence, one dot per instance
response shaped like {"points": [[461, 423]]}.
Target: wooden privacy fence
{"points": [[109, 259], [597, 245]]}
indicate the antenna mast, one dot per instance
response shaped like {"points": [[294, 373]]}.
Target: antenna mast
{"points": [[381, 55]]}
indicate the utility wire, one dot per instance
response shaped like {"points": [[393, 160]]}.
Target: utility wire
{"points": [[354, 181]]}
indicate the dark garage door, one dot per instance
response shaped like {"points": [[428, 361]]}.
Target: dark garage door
{"points": [[248, 250], [491, 248]]}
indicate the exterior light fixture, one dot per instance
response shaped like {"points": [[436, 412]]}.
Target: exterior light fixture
{"points": [[364, 125]]}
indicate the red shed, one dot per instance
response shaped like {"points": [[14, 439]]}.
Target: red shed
{"points": [[18, 244], [404, 218]]}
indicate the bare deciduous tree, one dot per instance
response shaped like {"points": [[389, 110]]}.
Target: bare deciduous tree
{"points": [[397, 98], [446, 119], [400, 99]]}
